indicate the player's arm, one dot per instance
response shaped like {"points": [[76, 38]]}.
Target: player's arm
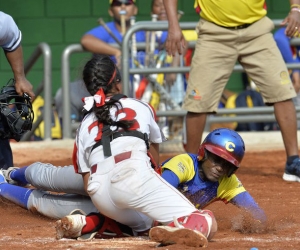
{"points": [[292, 21], [15, 59], [97, 46], [245, 201], [154, 151], [175, 41], [85, 177], [232, 190], [171, 178], [10, 41]]}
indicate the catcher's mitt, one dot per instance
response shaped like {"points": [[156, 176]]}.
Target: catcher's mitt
{"points": [[16, 115]]}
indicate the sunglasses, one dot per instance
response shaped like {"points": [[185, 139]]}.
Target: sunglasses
{"points": [[119, 3]]}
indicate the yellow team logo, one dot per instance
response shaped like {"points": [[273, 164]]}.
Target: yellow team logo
{"points": [[181, 167], [230, 146], [284, 77]]}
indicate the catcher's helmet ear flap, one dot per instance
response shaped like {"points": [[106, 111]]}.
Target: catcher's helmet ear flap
{"points": [[16, 113], [225, 143]]}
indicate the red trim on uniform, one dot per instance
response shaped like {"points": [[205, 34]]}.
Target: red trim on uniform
{"points": [[122, 156], [118, 158], [74, 158], [154, 113], [94, 168], [94, 124], [100, 126]]}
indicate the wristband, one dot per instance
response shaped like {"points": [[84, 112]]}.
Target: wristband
{"points": [[295, 5], [295, 9]]}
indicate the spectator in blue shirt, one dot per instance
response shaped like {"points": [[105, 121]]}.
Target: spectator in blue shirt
{"points": [[98, 40]]}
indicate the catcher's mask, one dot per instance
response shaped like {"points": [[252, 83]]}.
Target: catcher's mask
{"points": [[226, 144], [16, 112]]}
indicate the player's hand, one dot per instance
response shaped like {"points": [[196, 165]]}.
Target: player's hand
{"points": [[22, 86], [170, 79], [292, 22], [175, 41]]}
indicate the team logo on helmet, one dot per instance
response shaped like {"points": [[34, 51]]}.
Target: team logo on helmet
{"points": [[230, 146]]}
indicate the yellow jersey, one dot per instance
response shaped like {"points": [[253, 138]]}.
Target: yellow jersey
{"points": [[231, 13]]}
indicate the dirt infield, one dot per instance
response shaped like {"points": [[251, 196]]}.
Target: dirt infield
{"points": [[261, 173]]}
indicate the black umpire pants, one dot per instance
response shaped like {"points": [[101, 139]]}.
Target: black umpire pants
{"points": [[6, 157]]}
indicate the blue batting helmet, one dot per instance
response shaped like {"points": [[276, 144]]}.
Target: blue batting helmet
{"points": [[225, 143]]}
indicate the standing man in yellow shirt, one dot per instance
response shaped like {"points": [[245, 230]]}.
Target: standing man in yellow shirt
{"points": [[231, 31]]}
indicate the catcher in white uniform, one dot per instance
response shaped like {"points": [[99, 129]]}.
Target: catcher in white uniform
{"points": [[111, 153]]}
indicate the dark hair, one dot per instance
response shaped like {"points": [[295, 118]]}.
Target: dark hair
{"points": [[98, 73], [101, 72]]}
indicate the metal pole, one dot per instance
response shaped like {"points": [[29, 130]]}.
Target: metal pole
{"points": [[67, 131], [44, 49]]}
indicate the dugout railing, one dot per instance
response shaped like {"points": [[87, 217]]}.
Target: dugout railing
{"points": [[45, 86], [255, 114]]}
